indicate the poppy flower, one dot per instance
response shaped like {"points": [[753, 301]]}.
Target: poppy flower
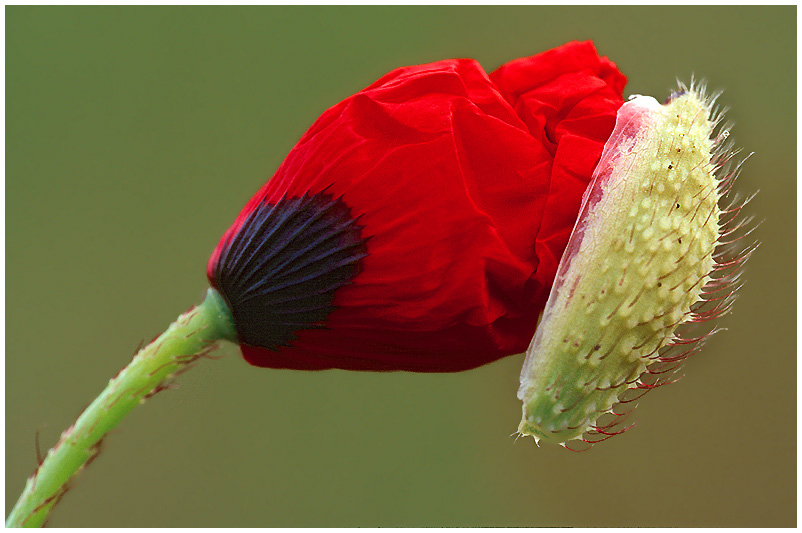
{"points": [[418, 224]]}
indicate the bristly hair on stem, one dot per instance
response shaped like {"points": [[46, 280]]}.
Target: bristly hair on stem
{"points": [[190, 338]]}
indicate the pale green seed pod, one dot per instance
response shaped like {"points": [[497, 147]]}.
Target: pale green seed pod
{"points": [[641, 258]]}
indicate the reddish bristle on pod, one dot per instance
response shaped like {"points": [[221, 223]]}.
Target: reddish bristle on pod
{"points": [[418, 224]]}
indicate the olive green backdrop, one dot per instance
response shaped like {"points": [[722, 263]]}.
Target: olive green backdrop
{"points": [[135, 135]]}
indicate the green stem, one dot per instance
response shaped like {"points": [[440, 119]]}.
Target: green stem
{"points": [[187, 339]]}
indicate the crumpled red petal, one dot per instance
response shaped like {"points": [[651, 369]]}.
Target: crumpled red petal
{"points": [[466, 187], [568, 97]]}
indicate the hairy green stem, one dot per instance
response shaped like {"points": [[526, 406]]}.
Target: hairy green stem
{"points": [[193, 335]]}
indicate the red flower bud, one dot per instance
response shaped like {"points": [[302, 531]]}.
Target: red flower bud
{"points": [[418, 224]]}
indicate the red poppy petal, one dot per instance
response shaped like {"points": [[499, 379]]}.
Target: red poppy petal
{"points": [[464, 189], [568, 97]]}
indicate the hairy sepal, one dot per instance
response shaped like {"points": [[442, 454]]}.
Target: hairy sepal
{"points": [[642, 260]]}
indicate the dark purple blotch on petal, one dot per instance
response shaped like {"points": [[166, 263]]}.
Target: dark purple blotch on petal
{"points": [[281, 269]]}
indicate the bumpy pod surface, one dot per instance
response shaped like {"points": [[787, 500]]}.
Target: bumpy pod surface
{"points": [[639, 260]]}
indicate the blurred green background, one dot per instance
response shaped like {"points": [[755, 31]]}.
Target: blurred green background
{"points": [[135, 135]]}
